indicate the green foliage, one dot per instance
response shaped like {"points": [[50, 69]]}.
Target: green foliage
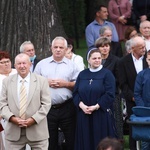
{"points": [[73, 16]]}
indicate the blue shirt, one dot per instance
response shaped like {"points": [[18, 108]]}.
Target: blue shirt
{"points": [[92, 32], [65, 69], [142, 88]]}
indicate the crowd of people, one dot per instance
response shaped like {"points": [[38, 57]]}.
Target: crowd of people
{"points": [[41, 97]]}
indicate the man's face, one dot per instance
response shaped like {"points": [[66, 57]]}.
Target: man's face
{"points": [[145, 29], [29, 50], [59, 49], [139, 50], [108, 34], [103, 13], [22, 65]]}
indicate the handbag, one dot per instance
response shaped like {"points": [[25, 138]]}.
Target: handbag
{"points": [[129, 20]]}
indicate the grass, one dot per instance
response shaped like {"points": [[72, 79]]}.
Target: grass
{"points": [[82, 51]]}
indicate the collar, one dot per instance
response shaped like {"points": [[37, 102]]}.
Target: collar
{"points": [[134, 59], [27, 78], [96, 23], [97, 69], [51, 59]]}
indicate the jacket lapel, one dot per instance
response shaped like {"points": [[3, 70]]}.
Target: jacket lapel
{"points": [[32, 87], [14, 90]]}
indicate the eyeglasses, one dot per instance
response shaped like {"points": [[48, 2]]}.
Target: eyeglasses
{"points": [[4, 62]]}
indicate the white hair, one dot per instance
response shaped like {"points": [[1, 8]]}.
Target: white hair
{"points": [[60, 38], [23, 44]]}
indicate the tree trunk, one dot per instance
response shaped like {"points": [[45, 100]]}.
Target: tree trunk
{"points": [[35, 20]]}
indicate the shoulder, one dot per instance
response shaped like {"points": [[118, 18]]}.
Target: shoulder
{"points": [[45, 60], [92, 24], [110, 24], [35, 76]]}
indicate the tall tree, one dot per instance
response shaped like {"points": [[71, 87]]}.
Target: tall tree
{"points": [[35, 20]]}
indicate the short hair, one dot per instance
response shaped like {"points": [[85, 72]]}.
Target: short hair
{"points": [[112, 143], [70, 42], [60, 38], [22, 55], [146, 21], [25, 43], [98, 8], [4, 54], [102, 41], [133, 41], [103, 29], [128, 45], [128, 31]]}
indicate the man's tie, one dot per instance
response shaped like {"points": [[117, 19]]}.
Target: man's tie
{"points": [[23, 100]]}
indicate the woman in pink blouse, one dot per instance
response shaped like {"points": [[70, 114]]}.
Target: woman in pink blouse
{"points": [[118, 17]]}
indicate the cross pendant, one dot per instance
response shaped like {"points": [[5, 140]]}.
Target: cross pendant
{"points": [[90, 81]]}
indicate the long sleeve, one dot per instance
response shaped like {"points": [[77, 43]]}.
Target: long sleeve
{"points": [[138, 91]]}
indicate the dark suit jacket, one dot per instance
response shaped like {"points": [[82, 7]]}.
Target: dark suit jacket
{"points": [[116, 49], [35, 63], [111, 63], [127, 75]]}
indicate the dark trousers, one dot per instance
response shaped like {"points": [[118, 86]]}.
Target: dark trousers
{"points": [[65, 118]]}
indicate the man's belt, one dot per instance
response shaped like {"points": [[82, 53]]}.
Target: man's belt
{"points": [[57, 106]]}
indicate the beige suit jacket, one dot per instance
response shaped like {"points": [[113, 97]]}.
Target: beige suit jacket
{"points": [[38, 105]]}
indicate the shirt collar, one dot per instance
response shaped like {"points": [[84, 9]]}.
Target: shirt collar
{"points": [[27, 78], [134, 59], [51, 59], [96, 23]]}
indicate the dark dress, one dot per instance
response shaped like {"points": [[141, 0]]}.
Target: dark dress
{"points": [[92, 88]]}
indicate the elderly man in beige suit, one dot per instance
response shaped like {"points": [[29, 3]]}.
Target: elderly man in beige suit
{"points": [[26, 124]]}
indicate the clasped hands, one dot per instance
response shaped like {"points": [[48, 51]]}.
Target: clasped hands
{"points": [[88, 109], [57, 83], [122, 19], [22, 123]]}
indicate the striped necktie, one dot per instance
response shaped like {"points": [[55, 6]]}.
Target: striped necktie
{"points": [[23, 100]]}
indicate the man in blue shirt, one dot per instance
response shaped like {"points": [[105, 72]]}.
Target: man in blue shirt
{"points": [[92, 30], [142, 93]]}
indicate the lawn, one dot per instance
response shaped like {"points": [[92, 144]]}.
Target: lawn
{"points": [[82, 50]]}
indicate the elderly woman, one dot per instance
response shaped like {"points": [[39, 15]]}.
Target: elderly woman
{"points": [[5, 70], [93, 96]]}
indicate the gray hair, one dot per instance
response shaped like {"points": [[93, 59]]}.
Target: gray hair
{"points": [[141, 24], [23, 44], [128, 45], [103, 29], [134, 41], [22, 55], [60, 38]]}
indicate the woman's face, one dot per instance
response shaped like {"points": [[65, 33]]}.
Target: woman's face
{"points": [[104, 49], [95, 60], [68, 53], [5, 65], [133, 34]]}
